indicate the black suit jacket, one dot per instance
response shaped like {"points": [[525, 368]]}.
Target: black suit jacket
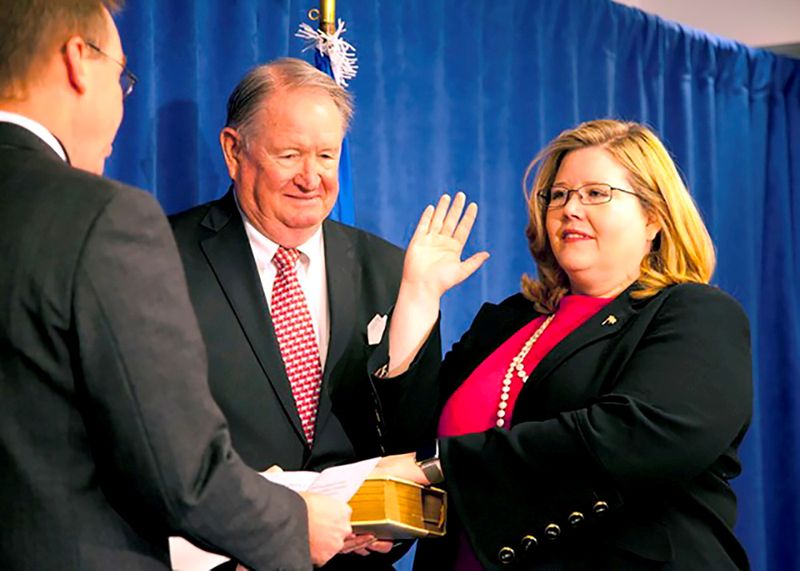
{"points": [[359, 415], [622, 442], [109, 438]]}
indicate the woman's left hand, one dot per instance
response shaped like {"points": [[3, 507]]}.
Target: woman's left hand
{"points": [[402, 466]]}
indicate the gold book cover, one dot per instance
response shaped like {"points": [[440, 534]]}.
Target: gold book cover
{"points": [[392, 508]]}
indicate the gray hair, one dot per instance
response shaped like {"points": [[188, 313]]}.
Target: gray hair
{"points": [[263, 81]]}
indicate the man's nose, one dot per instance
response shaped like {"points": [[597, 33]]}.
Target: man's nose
{"points": [[309, 176]]}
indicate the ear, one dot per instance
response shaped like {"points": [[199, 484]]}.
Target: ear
{"points": [[653, 228], [232, 148], [75, 55]]}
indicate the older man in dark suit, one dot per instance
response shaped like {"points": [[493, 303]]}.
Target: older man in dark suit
{"points": [[293, 306], [109, 438]]}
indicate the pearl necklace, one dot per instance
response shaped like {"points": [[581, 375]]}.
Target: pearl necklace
{"points": [[517, 366]]}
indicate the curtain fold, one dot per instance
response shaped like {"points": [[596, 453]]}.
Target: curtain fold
{"points": [[455, 95]]}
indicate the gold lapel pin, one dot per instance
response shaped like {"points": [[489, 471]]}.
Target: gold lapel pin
{"points": [[610, 320]]}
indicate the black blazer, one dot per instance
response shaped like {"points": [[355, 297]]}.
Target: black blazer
{"points": [[359, 416], [622, 442], [109, 438]]}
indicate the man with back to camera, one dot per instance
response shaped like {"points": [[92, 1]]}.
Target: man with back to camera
{"points": [[109, 438], [312, 382]]}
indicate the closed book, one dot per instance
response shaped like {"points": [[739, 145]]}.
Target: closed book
{"points": [[392, 508]]}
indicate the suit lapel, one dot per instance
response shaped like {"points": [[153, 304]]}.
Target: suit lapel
{"points": [[230, 257], [343, 274], [608, 321]]}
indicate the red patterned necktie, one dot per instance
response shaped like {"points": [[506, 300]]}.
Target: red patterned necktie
{"points": [[296, 339]]}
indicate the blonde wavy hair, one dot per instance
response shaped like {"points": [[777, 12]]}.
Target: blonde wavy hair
{"points": [[681, 252]]}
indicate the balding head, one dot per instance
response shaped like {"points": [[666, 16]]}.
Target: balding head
{"points": [[285, 74]]}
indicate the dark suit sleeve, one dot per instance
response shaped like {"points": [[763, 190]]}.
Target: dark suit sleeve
{"points": [[408, 401], [677, 404], [162, 446]]}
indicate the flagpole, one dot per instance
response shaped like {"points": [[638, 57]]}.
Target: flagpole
{"points": [[327, 16]]}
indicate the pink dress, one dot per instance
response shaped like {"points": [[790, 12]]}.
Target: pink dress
{"points": [[473, 406]]}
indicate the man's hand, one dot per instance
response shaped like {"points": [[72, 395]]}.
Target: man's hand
{"points": [[328, 526], [366, 543]]}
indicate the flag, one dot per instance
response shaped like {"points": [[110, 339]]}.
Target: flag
{"points": [[336, 57]]}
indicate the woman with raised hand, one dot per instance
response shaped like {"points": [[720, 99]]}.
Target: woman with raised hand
{"points": [[592, 421]]}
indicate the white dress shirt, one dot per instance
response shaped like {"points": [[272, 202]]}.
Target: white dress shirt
{"points": [[36, 128], [310, 274]]}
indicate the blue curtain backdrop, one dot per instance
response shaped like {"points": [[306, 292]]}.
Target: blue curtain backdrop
{"points": [[455, 95]]}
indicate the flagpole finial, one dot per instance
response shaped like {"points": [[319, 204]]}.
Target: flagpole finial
{"points": [[328, 41]]}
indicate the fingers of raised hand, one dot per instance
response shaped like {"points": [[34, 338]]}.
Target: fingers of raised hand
{"points": [[475, 261], [424, 224], [439, 214], [461, 232], [453, 215]]}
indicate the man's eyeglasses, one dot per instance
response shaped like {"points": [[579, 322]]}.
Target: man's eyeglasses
{"points": [[588, 194], [127, 79]]}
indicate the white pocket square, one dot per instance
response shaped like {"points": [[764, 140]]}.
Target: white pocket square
{"points": [[375, 329]]}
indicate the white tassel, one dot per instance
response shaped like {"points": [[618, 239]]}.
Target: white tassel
{"points": [[341, 52]]}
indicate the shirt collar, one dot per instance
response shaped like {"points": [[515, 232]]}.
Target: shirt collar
{"points": [[311, 250], [37, 129]]}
